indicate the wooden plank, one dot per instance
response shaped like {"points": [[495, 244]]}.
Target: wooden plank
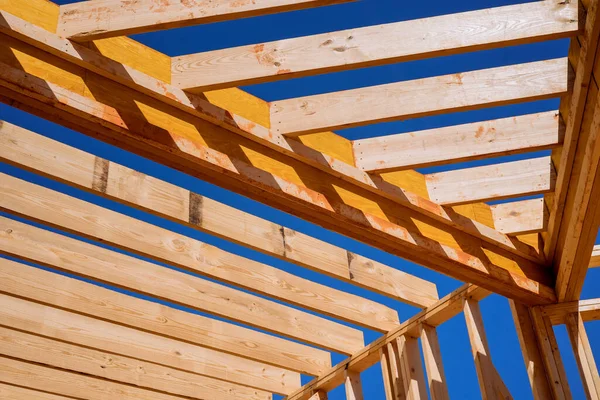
{"points": [[490, 382], [446, 308], [548, 346], [413, 377], [538, 378], [459, 143], [36, 202], [319, 395], [588, 310], [595, 260], [69, 384], [581, 218], [492, 182], [364, 215], [10, 392], [42, 13], [433, 363], [584, 356], [95, 333], [428, 96], [395, 371], [362, 47], [65, 356], [353, 386], [58, 161], [89, 20], [136, 313], [573, 106], [386, 373], [522, 217]]}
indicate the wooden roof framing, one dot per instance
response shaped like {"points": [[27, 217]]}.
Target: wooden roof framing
{"points": [[223, 326]]}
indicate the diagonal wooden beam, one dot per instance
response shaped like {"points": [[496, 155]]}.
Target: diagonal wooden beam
{"points": [[11, 392], [459, 143], [421, 97], [376, 45], [89, 20], [57, 354], [55, 160], [492, 182], [331, 200], [584, 356]]}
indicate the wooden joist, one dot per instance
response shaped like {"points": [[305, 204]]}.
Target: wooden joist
{"points": [[584, 356], [595, 260], [11, 392], [492, 182], [376, 45], [524, 216], [58, 161], [448, 307], [44, 205], [81, 330], [61, 355], [459, 143], [588, 310], [89, 20], [203, 331], [427, 96]]}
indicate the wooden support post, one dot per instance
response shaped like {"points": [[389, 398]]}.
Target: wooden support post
{"points": [[538, 378], [433, 363], [353, 386], [319, 395], [551, 355], [490, 382], [583, 356], [413, 377], [390, 370]]}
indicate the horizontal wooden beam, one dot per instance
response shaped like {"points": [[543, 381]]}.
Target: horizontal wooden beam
{"points": [[524, 216], [81, 330], [50, 207], [61, 355], [53, 159], [492, 182], [459, 143], [372, 211], [595, 260], [376, 45], [11, 392], [89, 20], [588, 309], [56, 251], [448, 307], [421, 97]]}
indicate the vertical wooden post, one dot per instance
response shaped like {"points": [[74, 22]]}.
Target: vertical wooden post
{"points": [[353, 386], [433, 363], [386, 372], [490, 383], [550, 356], [413, 377], [538, 378], [583, 355], [319, 395]]}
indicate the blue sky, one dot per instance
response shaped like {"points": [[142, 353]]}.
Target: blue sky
{"points": [[456, 352]]}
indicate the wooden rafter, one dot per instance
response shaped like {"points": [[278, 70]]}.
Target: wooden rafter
{"points": [[520, 216], [376, 45], [89, 20]]}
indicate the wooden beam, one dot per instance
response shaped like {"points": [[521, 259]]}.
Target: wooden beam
{"points": [[10, 392], [595, 260], [584, 356], [65, 356], [538, 378], [446, 308], [55, 160], [95, 333], [588, 310], [428, 96], [362, 47], [72, 385], [413, 377], [334, 203], [548, 346], [385, 362], [353, 386], [203, 331], [520, 217], [319, 395], [492, 182], [581, 217], [89, 20], [490, 382], [433, 363], [38, 203], [459, 143]]}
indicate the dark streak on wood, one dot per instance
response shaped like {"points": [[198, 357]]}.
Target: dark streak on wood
{"points": [[100, 180], [195, 212], [350, 256]]}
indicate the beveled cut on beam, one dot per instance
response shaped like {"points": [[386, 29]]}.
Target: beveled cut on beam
{"points": [[421, 97], [459, 143], [97, 19], [595, 260], [376, 45]]}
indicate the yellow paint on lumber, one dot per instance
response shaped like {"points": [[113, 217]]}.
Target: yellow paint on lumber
{"points": [[42, 13]]}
